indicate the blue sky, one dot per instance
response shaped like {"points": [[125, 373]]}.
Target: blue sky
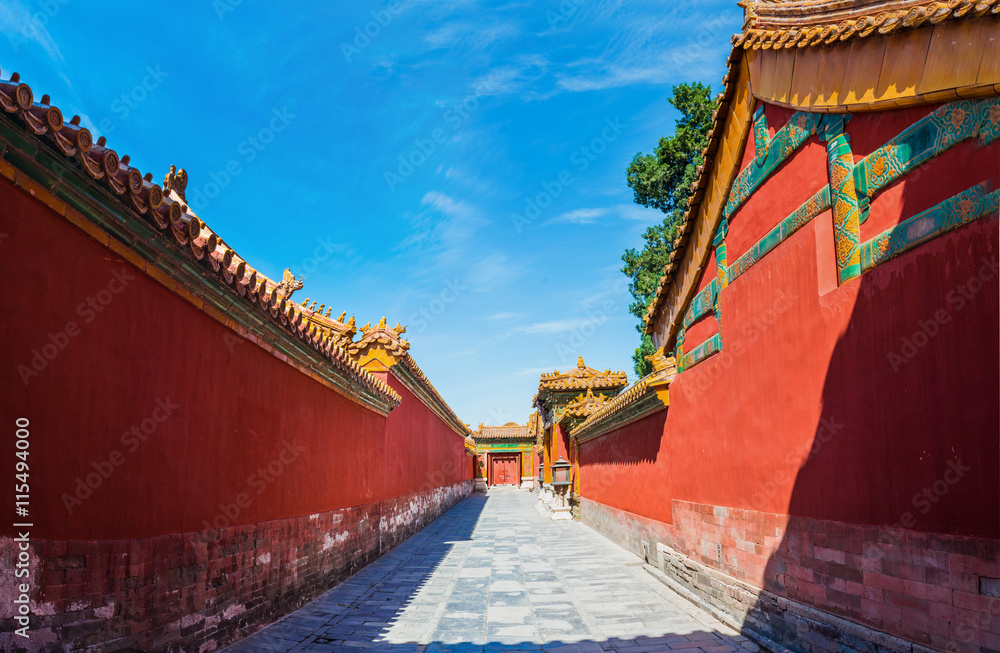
{"points": [[456, 166]]}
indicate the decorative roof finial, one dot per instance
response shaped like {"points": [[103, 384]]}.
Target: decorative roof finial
{"points": [[176, 180], [749, 13], [289, 284], [579, 362]]}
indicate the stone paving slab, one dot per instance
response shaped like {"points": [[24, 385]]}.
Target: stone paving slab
{"points": [[494, 574]]}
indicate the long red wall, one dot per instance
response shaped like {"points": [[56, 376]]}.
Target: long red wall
{"points": [[234, 409], [420, 452], [807, 367]]}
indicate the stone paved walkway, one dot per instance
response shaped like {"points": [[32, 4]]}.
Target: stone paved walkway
{"points": [[494, 575]]}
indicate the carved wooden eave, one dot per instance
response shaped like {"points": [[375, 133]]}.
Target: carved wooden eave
{"points": [[647, 396], [949, 53], [86, 183]]}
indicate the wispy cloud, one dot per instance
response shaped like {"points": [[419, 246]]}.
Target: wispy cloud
{"points": [[581, 216], [442, 229], [534, 371], [503, 316], [492, 272], [21, 27], [632, 212], [554, 326], [469, 36], [524, 75]]}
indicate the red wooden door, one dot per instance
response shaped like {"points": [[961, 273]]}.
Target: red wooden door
{"points": [[504, 469]]}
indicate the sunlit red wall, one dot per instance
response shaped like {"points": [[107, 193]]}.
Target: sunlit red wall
{"points": [[421, 452], [236, 409], [806, 366]]}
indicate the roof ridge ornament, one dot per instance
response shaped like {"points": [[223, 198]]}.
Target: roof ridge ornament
{"points": [[380, 347], [749, 13], [176, 180], [664, 372], [289, 284]]}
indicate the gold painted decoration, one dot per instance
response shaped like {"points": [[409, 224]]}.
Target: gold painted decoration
{"points": [[289, 284], [176, 180], [380, 347], [783, 24]]}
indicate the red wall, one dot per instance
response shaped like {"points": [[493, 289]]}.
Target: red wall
{"points": [[807, 368], [235, 404], [624, 469], [420, 452]]}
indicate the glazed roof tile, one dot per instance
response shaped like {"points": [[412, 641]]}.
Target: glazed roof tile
{"points": [[167, 212], [585, 405], [340, 331], [664, 372], [579, 378], [508, 431], [781, 24], [388, 337]]}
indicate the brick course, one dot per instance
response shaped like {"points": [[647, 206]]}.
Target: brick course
{"points": [[821, 585], [203, 590]]}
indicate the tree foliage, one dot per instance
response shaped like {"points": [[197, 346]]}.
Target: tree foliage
{"points": [[662, 180]]}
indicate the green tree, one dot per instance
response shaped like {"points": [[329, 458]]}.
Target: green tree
{"points": [[662, 180]]}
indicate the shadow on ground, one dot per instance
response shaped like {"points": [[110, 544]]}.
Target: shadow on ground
{"points": [[492, 574]]}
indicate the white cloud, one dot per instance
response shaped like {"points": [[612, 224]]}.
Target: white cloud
{"points": [[449, 206], [533, 371], [503, 316], [442, 229], [22, 26], [517, 77], [590, 215], [491, 272], [581, 216], [461, 34], [555, 326]]}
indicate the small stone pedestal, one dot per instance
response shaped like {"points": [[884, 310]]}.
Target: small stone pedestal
{"points": [[560, 503], [480, 485]]}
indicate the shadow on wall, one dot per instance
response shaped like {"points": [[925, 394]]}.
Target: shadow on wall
{"points": [[895, 514]]}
